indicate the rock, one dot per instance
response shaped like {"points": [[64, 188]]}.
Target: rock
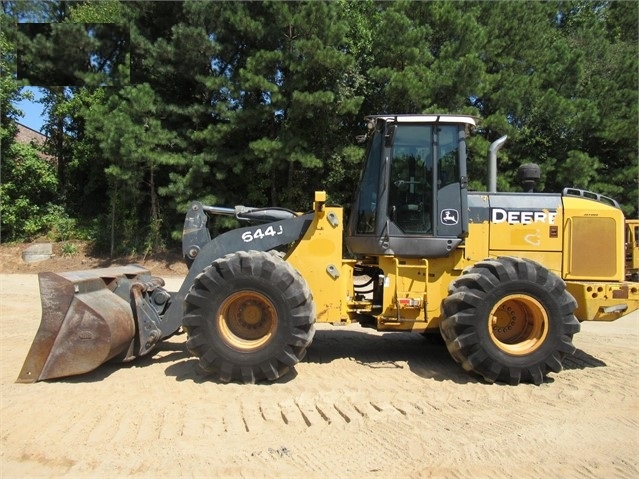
{"points": [[37, 252]]}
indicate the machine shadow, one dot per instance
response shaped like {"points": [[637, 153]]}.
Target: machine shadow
{"points": [[368, 349], [394, 350], [581, 360], [425, 357], [166, 352]]}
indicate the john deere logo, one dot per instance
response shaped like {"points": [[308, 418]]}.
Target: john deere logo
{"points": [[449, 217]]}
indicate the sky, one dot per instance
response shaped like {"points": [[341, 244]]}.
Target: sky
{"points": [[33, 111]]}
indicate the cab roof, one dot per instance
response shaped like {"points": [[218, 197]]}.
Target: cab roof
{"points": [[425, 118]]}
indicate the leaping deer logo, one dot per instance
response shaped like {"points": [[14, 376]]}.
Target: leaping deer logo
{"points": [[449, 217]]}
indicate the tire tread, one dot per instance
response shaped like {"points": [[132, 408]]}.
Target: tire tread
{"points": [[467, 293]]}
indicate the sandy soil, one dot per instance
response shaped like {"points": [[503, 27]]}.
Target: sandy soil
{"points": [[361, 404]]}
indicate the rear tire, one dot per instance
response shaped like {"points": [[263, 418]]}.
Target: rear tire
{"points": [[510, 320], [249, 316]]}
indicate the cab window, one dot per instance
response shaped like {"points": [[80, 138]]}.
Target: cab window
{"points": [[410, 198]]}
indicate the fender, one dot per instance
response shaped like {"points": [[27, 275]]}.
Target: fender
{"points": [[281, 233]]}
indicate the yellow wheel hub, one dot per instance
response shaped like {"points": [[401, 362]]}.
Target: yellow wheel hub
{"points": [[518, 324], [247, 320]]}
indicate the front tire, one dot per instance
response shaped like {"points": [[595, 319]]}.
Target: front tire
{"points": [[509, 320], [249, 316]]}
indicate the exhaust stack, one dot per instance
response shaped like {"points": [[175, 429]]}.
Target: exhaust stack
{"points": [[495, 146]]}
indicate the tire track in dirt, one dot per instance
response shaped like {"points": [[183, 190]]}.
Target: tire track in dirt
{"points": [[361, 409], [361, 404]]}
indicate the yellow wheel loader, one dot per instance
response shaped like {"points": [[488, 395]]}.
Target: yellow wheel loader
{"points": [[505, 278]]}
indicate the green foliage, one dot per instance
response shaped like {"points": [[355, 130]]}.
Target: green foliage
{"points": [[27, 193], [10, 86], [258, 103], [69, 250], [103, 11], [285, 101], [60, 226], [132, 136]]}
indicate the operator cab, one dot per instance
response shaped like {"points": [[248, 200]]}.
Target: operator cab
{"points": [[411, 200]]}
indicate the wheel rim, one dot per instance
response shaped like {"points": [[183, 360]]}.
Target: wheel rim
{"points": [[518, 324], [247, 320]]}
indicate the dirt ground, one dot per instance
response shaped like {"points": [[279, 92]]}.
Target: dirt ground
{"points": [[361, 404], [162, 264]]}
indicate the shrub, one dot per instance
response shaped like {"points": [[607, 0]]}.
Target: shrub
{"points": [[69, 249], [28, 189]]}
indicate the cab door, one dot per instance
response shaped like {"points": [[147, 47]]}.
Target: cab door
{"points": [[452, 182]]}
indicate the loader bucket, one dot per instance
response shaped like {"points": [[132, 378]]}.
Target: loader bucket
{"points": [[87, 319]]}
